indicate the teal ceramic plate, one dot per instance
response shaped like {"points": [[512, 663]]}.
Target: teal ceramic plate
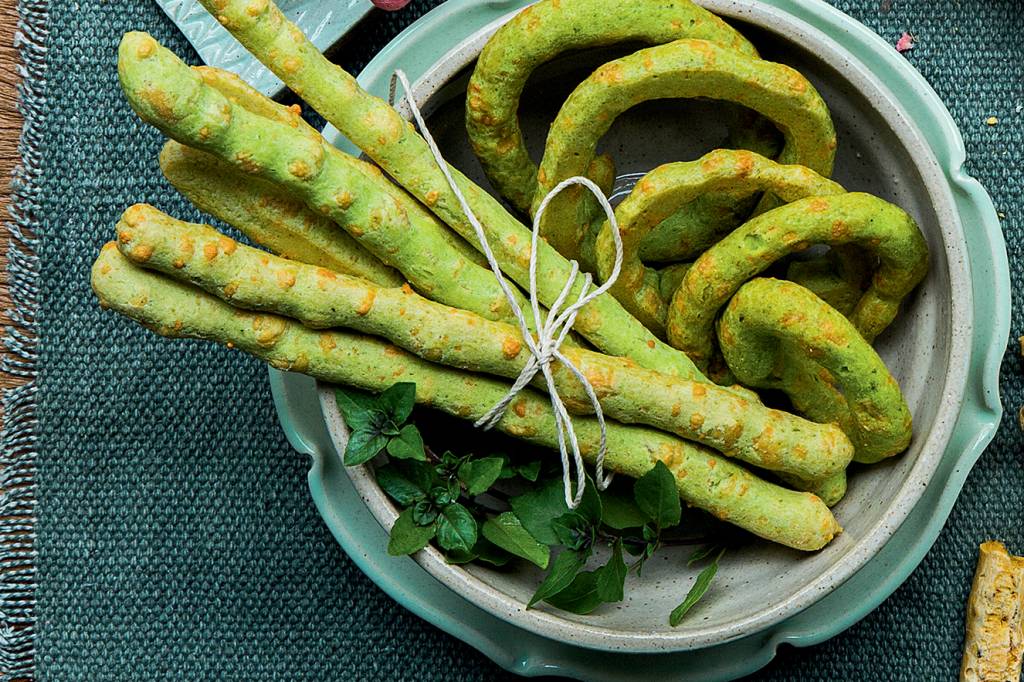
{"points": [[324, 22], [363, 538]]}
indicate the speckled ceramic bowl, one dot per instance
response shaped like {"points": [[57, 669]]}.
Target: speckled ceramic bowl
{"points": [[880, 151]]}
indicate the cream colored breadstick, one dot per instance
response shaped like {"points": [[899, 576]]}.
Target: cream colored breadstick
{"points": [[995, 618]]}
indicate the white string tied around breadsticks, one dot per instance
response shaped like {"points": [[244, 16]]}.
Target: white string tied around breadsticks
{"points": [[552, 330]]}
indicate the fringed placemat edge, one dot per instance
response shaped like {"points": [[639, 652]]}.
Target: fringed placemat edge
{"points": [[19, 432]]}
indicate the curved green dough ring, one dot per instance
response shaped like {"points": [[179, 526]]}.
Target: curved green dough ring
{"points": [[703, 478], [838, 277], [682, 69], [540, 33], [853, 218], [252, 279], [776, 334], [666, 189], [704, 220]]}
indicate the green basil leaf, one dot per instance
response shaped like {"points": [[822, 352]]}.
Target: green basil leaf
{"points": [[634, 546], [407, 537], [397, 402], [657, 496], [538, 508], [454, 489], [573, 531], [700, 586], [529, 471], [459, 556], [590, 506], [611, 578], [701, 553], [408, 444], [363, 445], [398, 487], [420, 473], [581, 596], [507, 532], [456, 528], [491, 553], [620, 512], [442, 495], [424, 513], [508, 469], [479, 474], [356, 407], [563, 569], [450, 461]]}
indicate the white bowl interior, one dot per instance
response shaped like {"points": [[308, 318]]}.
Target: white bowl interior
{"points": [[879, 152]]}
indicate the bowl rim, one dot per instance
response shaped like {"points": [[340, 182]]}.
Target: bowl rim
{"points": [[550, 624]]}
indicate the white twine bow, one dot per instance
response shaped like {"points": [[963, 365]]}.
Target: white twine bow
{"points": [[551, 330]]}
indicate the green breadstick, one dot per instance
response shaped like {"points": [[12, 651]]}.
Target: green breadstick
{"points": [[264, 213], [540, 33], [853, 218], [687, 69], [831, 489], [243, 94], [268, 215], [233, 87], [703, 478], [174, 98], [768, 322], [376, 128], [251, 279], [665, 190]]}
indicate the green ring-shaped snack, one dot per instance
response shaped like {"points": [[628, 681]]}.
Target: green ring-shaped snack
{"points": [[777, 334], [837, 277], [666, 189], [683, 69], [540, 33], [706, 219], [853, 218]]}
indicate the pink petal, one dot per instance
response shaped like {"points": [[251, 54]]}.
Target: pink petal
{"points": [[390, 5], [906, 42]]}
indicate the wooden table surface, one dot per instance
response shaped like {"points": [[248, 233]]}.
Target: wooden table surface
{"points": [[10, 128]]}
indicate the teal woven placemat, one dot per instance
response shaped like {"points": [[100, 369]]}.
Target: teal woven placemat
{"points": [[171, 532]]}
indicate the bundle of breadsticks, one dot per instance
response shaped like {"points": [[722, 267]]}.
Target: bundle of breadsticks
{"points": [[371, 271]]}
